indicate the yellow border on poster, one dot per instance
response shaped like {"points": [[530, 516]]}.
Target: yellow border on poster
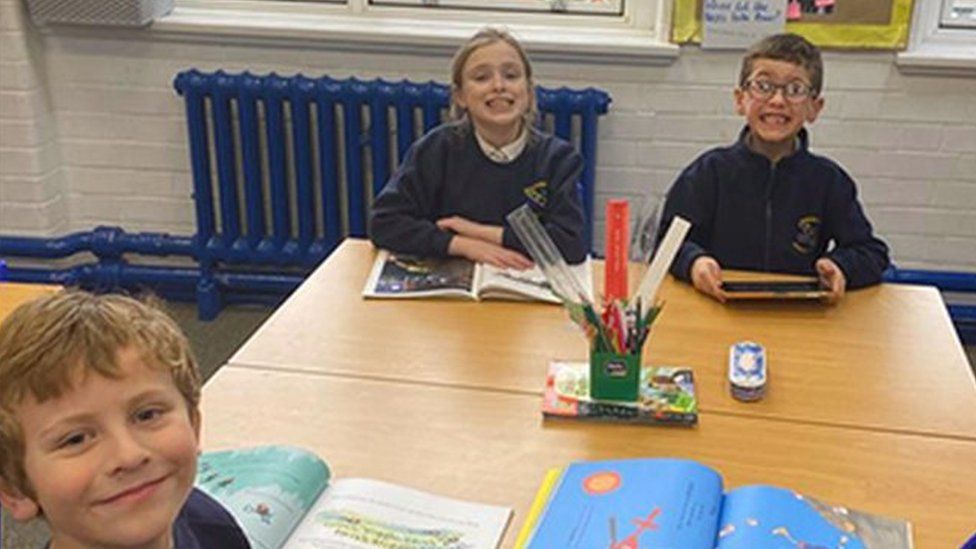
{"points": [[894, 35]]}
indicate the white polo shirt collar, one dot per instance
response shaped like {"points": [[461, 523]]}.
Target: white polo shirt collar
{"points": [[507, 153]]}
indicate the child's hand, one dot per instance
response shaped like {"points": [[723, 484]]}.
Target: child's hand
{"points": [[832, 278], [486, 252], [465, 227], [706, 276]]}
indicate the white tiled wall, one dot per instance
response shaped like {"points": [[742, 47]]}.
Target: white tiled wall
{"points": [[91, 131]]}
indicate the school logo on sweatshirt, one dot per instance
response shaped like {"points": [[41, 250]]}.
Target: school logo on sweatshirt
{"points": [[537, 193], [808, 234]]}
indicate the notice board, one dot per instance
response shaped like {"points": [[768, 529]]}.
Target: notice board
{"points": [[849, 24]]}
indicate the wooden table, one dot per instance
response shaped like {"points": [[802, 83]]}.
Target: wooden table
{"points": [[12, 294], [886, 358], [493, 447]]}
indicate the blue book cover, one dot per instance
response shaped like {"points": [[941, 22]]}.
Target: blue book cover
{"points": [[632, 503], [674, 503]]}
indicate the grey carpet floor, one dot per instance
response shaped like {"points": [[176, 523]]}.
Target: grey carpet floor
{"points": [[213, 342]]}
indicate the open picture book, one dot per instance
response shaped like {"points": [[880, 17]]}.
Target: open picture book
{"points": [[659, 502], [286, 497], [402, 276], [666, 396]]}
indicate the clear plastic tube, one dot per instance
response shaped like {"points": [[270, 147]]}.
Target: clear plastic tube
{"points": [[545, 253]]}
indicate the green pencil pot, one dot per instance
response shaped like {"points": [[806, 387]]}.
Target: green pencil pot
{"points": [[614, 376]]}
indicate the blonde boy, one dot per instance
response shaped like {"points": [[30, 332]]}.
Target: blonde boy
{"points": [[99, 426]]}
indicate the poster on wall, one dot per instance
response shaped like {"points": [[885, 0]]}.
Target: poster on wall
{"points": [[735, 24], [851, 24]]}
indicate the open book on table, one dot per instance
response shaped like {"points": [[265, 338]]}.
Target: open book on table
{"points": [[403, 276], [654, 502], [286, 497]]}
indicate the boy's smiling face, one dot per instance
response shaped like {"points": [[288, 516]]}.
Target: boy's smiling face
{"points": [[111, 461], [776, 120]]}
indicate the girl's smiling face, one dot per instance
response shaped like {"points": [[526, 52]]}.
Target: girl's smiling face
{"points": [[495, 92]]}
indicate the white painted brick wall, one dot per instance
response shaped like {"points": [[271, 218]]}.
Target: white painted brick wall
{"points": [[24, 133], [31, 189], [34, 218], [31, 169], [910, 141]]}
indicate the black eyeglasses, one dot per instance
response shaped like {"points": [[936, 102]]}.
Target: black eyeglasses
{"points": [[794, 91]]}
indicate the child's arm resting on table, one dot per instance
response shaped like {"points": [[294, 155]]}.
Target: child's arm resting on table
{"points": [[472, 229], [482, 243], [400, 217], [857, 252], [481, 251]]}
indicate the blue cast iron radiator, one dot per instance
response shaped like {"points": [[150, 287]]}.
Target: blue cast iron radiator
{"points": [[283, 169]]}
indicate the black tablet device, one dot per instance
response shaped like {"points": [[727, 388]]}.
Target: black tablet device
{"points": [[774, 289]]}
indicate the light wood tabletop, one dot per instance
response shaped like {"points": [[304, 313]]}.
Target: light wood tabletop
{"points": [[12, 294], [493, 447], [885, 358]]}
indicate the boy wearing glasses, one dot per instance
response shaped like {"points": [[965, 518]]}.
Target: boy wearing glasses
{"points": [[766, 202]]}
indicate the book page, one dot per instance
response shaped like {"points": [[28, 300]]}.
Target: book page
{"points": [[633, 503], [767, 516], [267, 489], [361, 513], [531, 284], [403, 276]]}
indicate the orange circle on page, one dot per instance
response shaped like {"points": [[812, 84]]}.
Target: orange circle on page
{"points": [[602, 482]]}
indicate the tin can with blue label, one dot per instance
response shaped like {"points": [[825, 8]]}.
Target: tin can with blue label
{"points": [[748, 371]]}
